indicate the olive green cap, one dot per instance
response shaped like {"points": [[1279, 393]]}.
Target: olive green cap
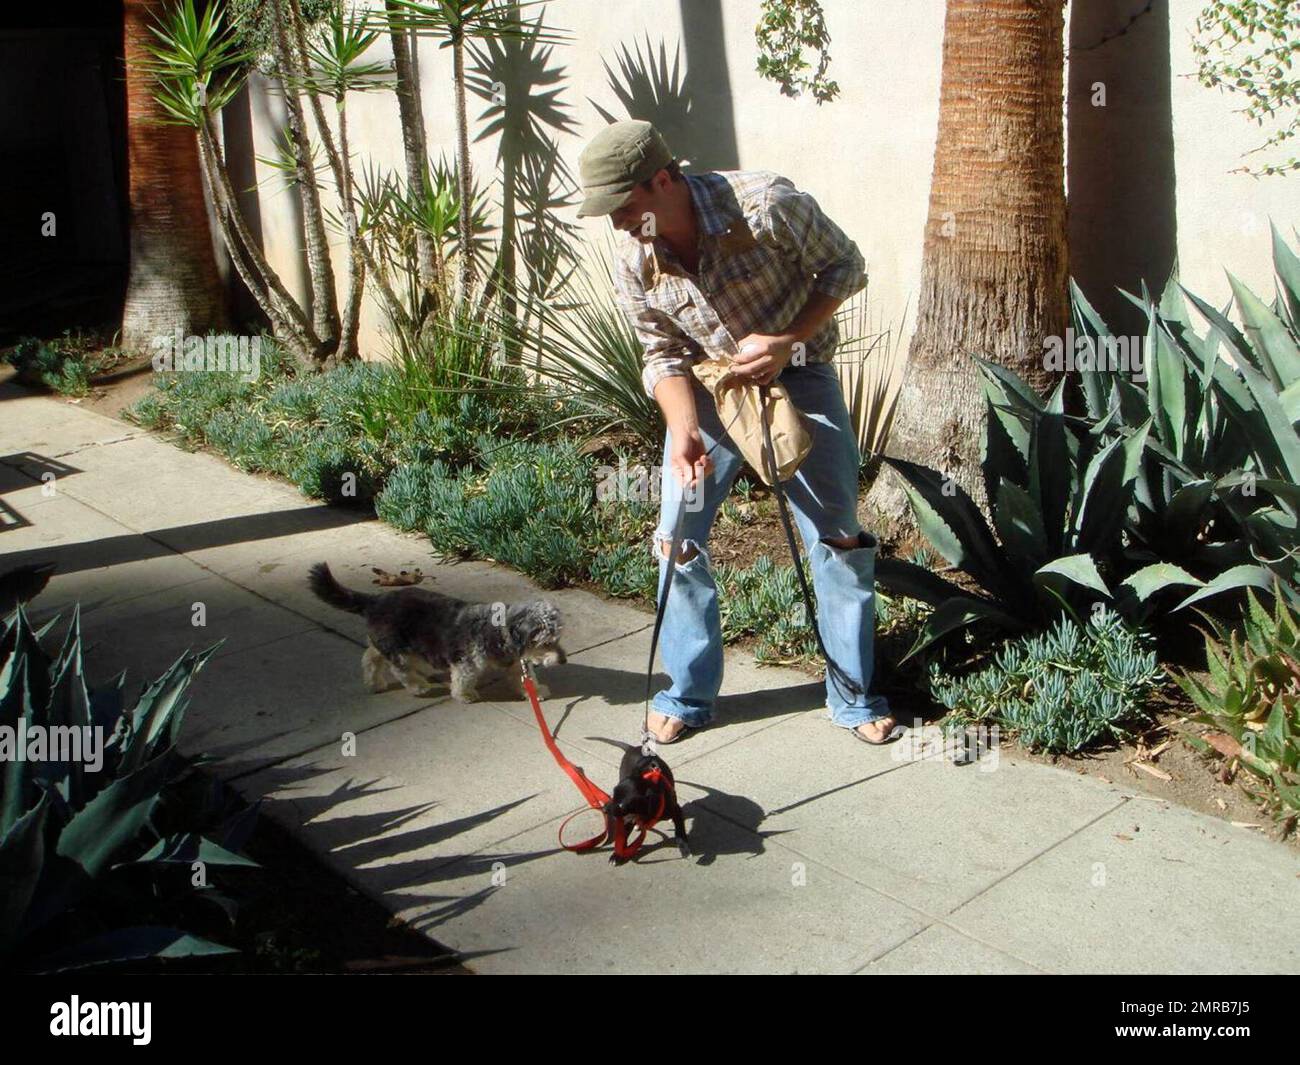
{"points": [[615, 160]]}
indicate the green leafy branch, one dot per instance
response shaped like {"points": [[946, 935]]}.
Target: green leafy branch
{"points": [[784, 30], [1224, 31]]}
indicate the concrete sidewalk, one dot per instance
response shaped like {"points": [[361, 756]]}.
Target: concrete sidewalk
{"points": [[813, 853]]}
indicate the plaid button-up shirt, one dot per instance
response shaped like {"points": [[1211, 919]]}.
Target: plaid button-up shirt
{"points": [[765, 247]]}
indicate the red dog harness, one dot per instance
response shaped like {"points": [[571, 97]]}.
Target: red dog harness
{"points": [[595, 797]]}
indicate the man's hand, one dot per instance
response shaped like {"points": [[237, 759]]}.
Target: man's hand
{"points": [[763, 356], [688, 458]]}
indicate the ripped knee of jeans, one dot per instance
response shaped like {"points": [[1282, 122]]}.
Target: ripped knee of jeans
{"points": [[686, 552]]}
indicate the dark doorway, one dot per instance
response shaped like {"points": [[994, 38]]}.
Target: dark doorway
{"points": [[63, 139]]}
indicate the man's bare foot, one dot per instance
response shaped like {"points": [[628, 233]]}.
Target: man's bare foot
{"points": [[879, 731], [664, 729]]}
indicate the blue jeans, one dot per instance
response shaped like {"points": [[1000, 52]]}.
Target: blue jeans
{"points": [[824, 497]]}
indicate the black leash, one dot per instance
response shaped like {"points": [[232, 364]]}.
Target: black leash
{"points": [[842, 680], [674, 549]]}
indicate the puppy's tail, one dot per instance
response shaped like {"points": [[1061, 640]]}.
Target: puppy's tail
{"points": [[327, 588]]}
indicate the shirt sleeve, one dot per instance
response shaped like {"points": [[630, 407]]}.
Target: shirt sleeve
{"points": [[797, 224], [668, 351]]}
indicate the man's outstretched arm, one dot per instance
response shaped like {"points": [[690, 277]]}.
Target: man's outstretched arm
{"points": [[666, 376]]}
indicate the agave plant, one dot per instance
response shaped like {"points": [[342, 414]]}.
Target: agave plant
{"points": [[1253, 693], [67, 825], [1216, 491], [1058, 495]]}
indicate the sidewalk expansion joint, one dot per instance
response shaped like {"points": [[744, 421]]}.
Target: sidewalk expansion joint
{"points": [[98, 443]]}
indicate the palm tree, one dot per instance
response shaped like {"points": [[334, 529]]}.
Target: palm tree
{"points": [[994, 272], [173, 280]]}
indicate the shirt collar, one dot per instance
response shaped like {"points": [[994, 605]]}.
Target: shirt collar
{"points": [[711, 213], [712, 216]]}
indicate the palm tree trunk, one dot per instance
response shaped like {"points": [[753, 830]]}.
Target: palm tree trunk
{"points": [[357, 271], [994, 273], [407, 68], [173, 281], [466, 178], [324, 302]]}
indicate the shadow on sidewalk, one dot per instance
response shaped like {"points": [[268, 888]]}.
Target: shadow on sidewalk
{"points": [[181, 539]]}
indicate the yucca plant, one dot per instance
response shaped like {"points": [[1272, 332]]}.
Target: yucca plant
{"points": [[868, 362], [394, 218], [455, 23], [1253, 695], [584, 344], [68, 827]]}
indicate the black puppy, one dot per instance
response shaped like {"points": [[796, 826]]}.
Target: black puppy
{"points": [[639, 797]]}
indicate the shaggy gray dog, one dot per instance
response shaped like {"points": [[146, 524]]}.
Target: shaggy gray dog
{"points": [[418, 637]]}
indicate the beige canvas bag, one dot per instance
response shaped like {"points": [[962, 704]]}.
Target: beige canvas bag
{"points": [[741, 409]]}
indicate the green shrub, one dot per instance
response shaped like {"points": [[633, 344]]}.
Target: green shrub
{"points": [[1061, 690], [339, 470], [410, 494], [193, 398], [627, 571], [763, 600], [1253, 695], [244, 438], [65, 364], [533, 509], [150, 412], [61, 366], [296, 400], [469, 431]]}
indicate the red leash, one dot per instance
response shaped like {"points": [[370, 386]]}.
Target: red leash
{"points": [[595, 797]]}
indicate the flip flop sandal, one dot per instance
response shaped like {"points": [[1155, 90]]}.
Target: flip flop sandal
{"points": [[686, 730], [894, 734]]}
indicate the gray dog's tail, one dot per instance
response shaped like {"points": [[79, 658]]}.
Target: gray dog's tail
{"points": [[327, 588]]}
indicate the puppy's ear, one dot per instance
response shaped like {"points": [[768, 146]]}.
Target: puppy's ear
{"points": [[535, 622], [520, 626], [547, 616]]}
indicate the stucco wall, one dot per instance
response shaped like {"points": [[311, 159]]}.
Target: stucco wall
{"points": [[1148, 175]]}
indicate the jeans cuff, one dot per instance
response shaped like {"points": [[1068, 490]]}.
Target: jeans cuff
{"points": [[695, 717], [853, 716]]}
